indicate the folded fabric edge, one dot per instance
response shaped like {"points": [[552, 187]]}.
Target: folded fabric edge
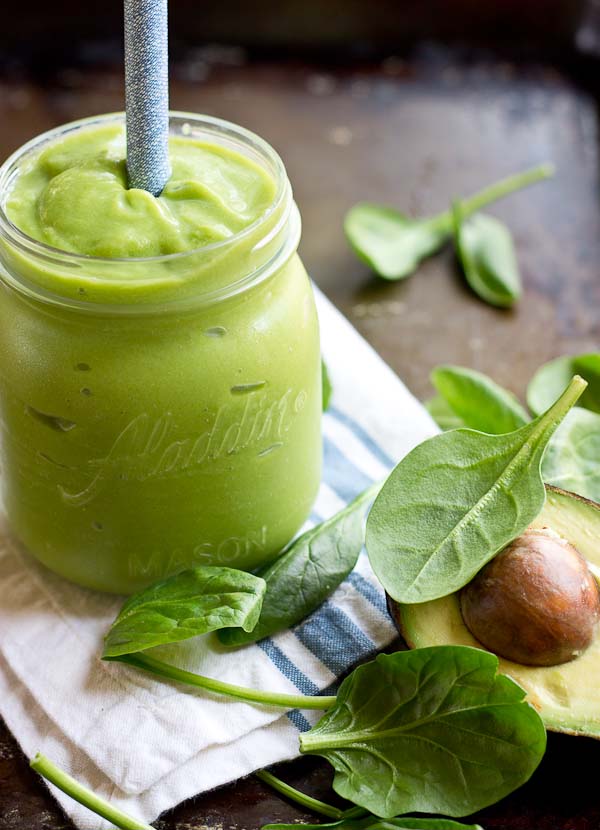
{"points": [[203, 772], [117, 745]]}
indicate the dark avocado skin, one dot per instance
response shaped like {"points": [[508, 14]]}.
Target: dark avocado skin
{"points": [[393, 611]]}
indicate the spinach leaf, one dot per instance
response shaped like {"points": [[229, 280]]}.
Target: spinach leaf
{"points": [[192, 602], [304, 576], [469, 398], [375, 823], [572, 460], [478, 401], [443, 414], [326, 386], [588, 366], [550, 380], [435, 730], [456, 500], [393, 244], [487, 255]]}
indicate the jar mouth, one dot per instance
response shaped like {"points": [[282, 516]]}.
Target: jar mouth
{"points": [[231, 133], [153, 284]]}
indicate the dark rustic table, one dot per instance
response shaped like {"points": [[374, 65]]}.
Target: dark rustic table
{"points": [[413, 133]]}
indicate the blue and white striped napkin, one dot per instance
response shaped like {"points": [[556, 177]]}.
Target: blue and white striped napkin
{"points": [[147, 745]]}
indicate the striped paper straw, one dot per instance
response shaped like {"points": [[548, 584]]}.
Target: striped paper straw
{"points": [[147, 94]]}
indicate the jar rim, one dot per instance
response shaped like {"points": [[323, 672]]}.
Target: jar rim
{"points": [[34, 145], [185, 304], [281, 214]]}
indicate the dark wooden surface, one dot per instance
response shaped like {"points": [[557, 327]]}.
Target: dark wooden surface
{"points": [[413, 133], [40, 28]]}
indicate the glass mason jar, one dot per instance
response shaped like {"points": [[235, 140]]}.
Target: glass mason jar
{"points": [[163, 412]]}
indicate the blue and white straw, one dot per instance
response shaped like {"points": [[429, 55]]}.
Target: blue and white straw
{"points": [[147, 94]]}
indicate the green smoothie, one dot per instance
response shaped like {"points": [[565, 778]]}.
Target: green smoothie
{"points": [[159, 372], [73, 196]]}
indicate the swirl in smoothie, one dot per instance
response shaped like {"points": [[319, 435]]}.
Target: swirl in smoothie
{"points": [[74, 196]]}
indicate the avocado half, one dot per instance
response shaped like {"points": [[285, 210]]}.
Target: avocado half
{"points": [[566, 696]]}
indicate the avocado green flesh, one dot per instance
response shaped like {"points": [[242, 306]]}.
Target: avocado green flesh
{"points": [[567, 696]]}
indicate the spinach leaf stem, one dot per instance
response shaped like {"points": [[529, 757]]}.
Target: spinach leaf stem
{"points": [[498, 190], [166, 670], [48, 770], [298, 797]]}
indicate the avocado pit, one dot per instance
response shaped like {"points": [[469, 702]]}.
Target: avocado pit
{"points": [[536, 603]]}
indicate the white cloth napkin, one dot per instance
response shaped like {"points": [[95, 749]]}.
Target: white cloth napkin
{"points": [[146, 745]]}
